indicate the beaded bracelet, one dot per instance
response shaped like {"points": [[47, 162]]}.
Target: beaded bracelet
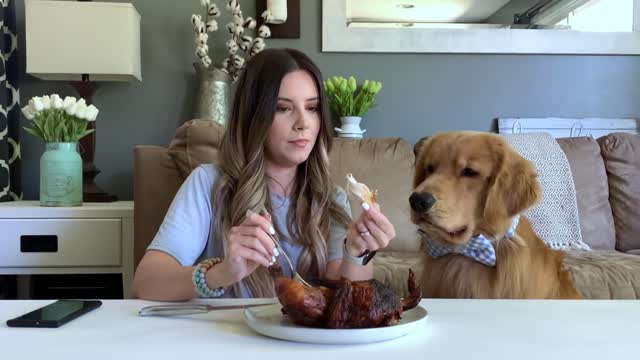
{"points": [[200, 280]]}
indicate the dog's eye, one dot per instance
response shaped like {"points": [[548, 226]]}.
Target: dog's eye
{"points": [[430, 168], [468, 172]]}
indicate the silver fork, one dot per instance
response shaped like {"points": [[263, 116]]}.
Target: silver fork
{"points": [[296, 275]]}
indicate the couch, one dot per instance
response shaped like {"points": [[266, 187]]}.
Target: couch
{"points": [[606, 173]]}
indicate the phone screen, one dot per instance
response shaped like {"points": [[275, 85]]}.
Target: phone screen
{"points": [[55, 311], [54, 314]]}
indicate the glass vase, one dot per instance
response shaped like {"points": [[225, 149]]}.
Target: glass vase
{"points": [[61, 175]]}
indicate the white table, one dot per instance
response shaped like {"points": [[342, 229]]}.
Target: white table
{"points": [[93, 238], [455, 329]]}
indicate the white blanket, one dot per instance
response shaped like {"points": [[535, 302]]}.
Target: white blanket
{"points": [[555, 219]]}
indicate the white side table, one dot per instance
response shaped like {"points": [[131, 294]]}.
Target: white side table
{"points": [[94, 238]]}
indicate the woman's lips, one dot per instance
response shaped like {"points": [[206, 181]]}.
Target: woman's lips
{"points": [[300, 143]]}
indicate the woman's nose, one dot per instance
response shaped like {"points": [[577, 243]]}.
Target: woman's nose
{"points": [[302, 123]]}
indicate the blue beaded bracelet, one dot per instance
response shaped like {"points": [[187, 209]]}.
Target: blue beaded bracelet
{"points": [[200, 280]]}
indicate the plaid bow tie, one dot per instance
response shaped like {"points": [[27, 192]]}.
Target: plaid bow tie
{"points": [[478, 248]]}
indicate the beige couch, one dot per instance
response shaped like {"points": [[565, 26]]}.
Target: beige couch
{"points": [[606, 175]]}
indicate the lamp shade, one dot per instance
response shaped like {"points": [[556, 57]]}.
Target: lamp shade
{"points": [[66, 39]]}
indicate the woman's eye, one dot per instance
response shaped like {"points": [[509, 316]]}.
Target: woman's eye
{"points": [[314, 109], [468, 172], [282, 109]]}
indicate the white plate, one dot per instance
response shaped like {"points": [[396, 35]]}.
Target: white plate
{"points": [[269, 321]]}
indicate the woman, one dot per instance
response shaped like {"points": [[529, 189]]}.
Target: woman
{"points": [[272, 177]]}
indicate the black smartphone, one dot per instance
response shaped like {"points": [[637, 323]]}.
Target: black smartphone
{"points": [[55, 314]]}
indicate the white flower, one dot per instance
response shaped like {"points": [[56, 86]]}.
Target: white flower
{"points": [[258, 44], [264, 31], [232, 46], [250, 23], [194, 19], [82, 102], [212, 25], [37, 104], [68, 101], [238, 62], [201, 51], [267, 16], [28, 112], [204, 2], [213, 11], [233, 4], [71, 109], [201, 39], [231, 27], [238, 20], [244, 42], [46, 102], [81, 111], [238, 30], [56, 101]]}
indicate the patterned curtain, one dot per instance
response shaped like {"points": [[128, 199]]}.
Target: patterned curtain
{"points": [[10, 184]]}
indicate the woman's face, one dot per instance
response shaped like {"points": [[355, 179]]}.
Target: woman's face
{"points": [[296, 122]]}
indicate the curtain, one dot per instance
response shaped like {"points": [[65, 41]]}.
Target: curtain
{"points": [[10, 184]]}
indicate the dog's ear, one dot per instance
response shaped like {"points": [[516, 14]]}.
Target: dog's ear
{"points": [[420, 170], [513, 188], [418, 145]]}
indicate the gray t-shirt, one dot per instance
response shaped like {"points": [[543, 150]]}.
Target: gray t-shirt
{"points": [[187, 231]]}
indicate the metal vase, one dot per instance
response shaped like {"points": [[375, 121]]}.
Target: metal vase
{"points": [[214, 94]]}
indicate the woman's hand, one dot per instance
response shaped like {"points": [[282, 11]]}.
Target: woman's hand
{"points": [[248, 247], [371, 231]]}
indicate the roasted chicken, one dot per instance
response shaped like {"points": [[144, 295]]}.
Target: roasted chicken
{"points": [[343, 304]]}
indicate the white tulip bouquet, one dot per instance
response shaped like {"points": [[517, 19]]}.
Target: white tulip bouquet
{"points": [[240, 46], [54, 119]]}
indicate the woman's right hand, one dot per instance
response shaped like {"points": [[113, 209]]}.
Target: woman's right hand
{"points": [[248, 247]]}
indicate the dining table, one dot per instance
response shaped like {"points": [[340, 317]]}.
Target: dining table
{"points": [[451, 329]]}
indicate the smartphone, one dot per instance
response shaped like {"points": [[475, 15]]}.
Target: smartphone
{"points": [[55, 314]]}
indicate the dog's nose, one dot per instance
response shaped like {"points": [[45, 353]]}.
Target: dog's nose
{"points": [[421, 202]]}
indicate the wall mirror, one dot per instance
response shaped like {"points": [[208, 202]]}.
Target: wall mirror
{"points": [[482, 26]]}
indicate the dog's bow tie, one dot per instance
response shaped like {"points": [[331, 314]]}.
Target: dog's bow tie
{"points": [[478, 248]]}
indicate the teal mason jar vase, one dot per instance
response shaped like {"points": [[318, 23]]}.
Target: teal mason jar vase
{"points": [[61, 175]]}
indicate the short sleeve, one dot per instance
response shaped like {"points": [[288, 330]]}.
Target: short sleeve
{"points": [[338, 232], [184, 232]]}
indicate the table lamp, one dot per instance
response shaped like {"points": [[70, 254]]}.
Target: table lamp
{"points": [[84, 43]]}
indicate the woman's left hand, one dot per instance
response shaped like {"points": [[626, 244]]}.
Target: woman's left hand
{"points": [[371, 231]]}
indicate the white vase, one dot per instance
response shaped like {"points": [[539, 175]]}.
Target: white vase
{"points": [[350, 127]]}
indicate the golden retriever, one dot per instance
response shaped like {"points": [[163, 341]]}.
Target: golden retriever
{"points": [[468, 183]]}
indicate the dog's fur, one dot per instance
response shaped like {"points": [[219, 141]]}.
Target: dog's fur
{"points": [[479, 183]]}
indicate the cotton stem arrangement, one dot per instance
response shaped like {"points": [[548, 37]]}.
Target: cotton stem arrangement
{"points": [[240, 47]]}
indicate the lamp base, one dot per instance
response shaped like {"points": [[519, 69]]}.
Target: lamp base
{"points": [[92, 192]]}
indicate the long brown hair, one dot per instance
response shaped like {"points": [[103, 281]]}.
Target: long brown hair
{"points": [[242, 183]]}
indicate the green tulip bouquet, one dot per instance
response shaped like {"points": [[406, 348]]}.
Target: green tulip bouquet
{"points": [[346, 100]]}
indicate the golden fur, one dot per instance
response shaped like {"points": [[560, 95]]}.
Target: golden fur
{"points": [[479, 183]]}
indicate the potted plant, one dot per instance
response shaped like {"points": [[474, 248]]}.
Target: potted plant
{"points": [[60, 124], [215, 77], [350, 103]]}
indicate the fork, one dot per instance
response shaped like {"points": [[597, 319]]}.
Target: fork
{"points": [[296, 275]]}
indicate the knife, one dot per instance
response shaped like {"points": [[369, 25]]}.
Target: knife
{"points": [[189, 309]]}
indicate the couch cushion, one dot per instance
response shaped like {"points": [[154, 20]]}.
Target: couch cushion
{"points": [[605, 274], [592, 191], [385, 164], [195, 142], [598, 274], [621, 154]]}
